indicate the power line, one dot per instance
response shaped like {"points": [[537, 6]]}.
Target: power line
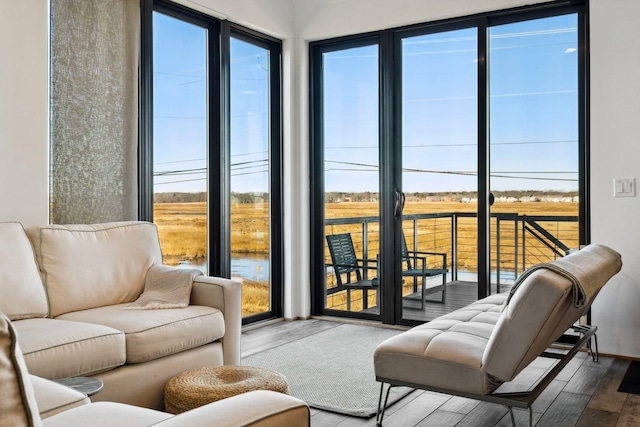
{"points": [[368, 147], [495, 174]]}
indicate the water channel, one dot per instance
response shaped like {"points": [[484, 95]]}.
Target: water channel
{"points": [[254, 267]]}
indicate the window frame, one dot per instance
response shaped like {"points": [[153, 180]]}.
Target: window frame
{"points": [[218, 122], [390, 138]]}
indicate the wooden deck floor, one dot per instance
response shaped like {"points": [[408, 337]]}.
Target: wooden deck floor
{"points": [[583, 395], [459, 294]]}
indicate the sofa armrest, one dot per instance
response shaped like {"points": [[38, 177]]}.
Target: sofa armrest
{"points": [[260, 408], [225, 295], [53, 398]]}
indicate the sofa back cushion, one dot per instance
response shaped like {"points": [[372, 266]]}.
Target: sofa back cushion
{"points": [[542, 309], [89, 266], [18, 406], [22, 293]]}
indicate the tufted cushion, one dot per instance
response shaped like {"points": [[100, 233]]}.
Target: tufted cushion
{"points": [[17, 400], [56, 348], [23, 295], [88, 266], [151, 334], [446, 352]]}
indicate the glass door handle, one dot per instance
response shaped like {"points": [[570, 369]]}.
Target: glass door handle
{"points": [[399, 205]]}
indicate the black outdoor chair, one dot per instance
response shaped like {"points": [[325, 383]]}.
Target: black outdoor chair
{"points": [[416, 267], [345, 262]]}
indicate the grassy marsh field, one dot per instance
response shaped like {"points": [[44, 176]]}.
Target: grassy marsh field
{"points": [[182, 228]]}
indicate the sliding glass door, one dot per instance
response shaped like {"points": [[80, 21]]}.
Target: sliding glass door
{"points": [[350, 108], [439, 170], [534, 144], [454, 156]]}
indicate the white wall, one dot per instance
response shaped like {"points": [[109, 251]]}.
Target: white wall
{"points": [[332, 18], [615, 152], [273, 17], [24, 112]]}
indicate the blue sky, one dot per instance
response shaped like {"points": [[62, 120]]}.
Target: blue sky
{"points": [[533, 110], [180, 98]]}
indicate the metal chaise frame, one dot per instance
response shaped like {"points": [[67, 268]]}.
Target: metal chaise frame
{"points": [[521, 399]]}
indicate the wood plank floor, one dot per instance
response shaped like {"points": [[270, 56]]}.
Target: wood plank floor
{"points": [[583, 395], [459, 294]]}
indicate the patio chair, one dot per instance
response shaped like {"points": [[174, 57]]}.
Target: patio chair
{"points": [[416, 267], [345, 262]]}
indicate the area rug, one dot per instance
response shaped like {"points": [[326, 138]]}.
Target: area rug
{"points": [[631, 381], [332, 370]]}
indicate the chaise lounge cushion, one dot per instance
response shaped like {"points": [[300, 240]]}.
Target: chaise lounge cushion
{"points": [[88, 266], [151, 334], [446, 352], [56, 348], [23, 295]]}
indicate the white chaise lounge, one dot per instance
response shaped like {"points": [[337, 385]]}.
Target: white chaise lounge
{"points": [[472, 351]]}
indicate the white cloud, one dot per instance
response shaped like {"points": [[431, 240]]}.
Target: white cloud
{"points": [[570, 50]]}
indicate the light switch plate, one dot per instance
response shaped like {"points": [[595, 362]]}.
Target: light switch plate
{"points": [[624, 187]]}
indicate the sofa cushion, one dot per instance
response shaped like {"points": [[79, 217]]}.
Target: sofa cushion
{"points": [[87, 266], [151, 334], [23, 295], [58, 348], [18, 406], [108, 414]]}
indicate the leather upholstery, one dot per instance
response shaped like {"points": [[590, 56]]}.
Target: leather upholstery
{"points": [[446, 352], [477, 348]]}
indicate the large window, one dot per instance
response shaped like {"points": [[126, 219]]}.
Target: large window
{"points": [[180, 140], [460, 146], [250, 178], [210, 149]]}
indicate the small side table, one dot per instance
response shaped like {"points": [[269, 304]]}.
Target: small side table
{"points": [[86, 385]]}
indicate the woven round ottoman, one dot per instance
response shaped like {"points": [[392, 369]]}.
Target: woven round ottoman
{"points": [[198, 387]]}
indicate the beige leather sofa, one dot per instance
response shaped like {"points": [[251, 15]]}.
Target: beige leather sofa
{"points": [[19, 405], [472, 351], [67, 289]]}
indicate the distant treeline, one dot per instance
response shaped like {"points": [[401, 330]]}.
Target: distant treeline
{"points": [[337, 197], [202, 197]]}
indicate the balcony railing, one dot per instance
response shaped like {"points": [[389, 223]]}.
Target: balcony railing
{"points": [[517, 241]]}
